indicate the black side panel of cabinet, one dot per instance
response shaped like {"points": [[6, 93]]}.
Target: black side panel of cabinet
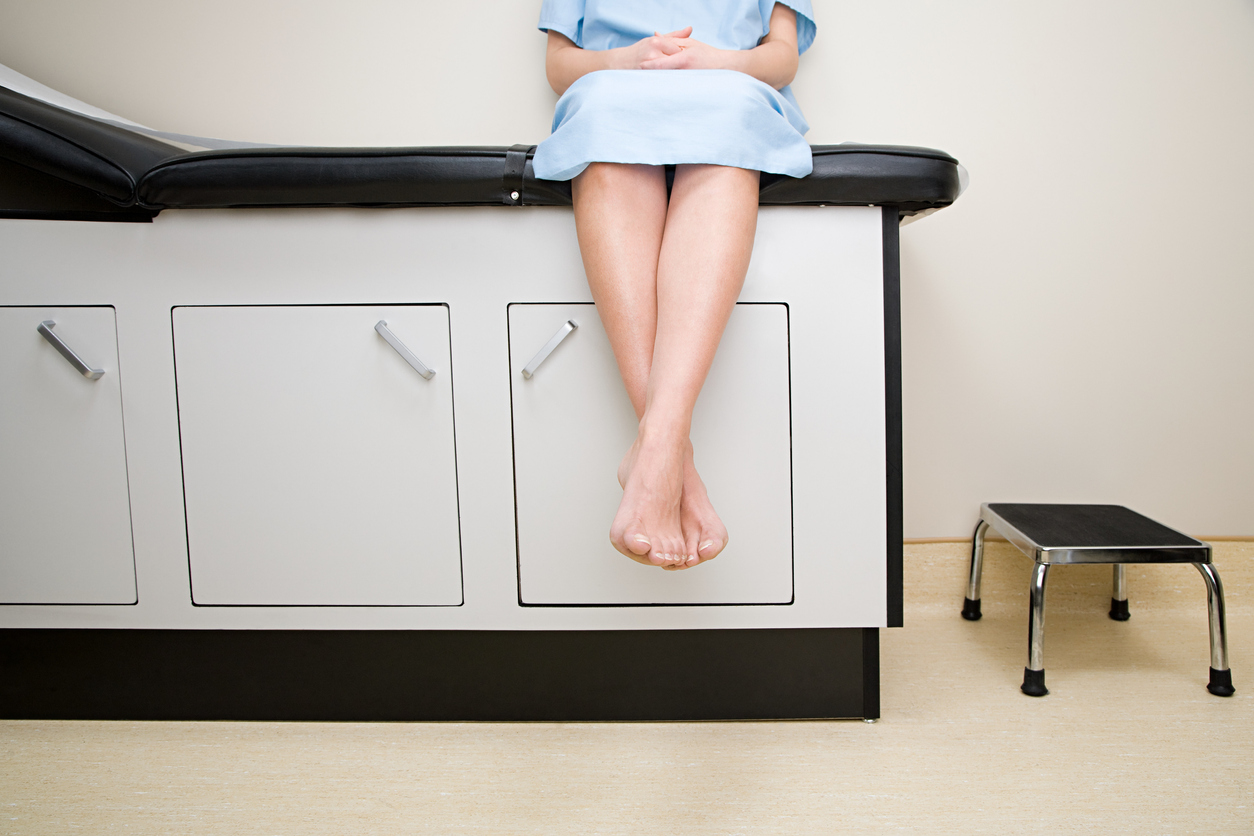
{"points": [[892, 412], [438, 675]]}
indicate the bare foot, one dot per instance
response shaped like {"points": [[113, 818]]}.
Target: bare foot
{"points": [[647, 527], [704, 533]]}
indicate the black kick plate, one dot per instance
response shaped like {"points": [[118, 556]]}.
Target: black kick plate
{"points": [[374, 675]]}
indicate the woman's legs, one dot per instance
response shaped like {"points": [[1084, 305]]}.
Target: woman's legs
{"points": [[705, 253], [665, 279]]}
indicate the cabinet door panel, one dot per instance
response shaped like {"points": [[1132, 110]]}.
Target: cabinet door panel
{"points": [[318, 465], [65, 518], [572, 424]]}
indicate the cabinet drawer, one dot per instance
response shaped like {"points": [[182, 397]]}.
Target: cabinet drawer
{"points": [[318, 464], [572, 424], [65, 517]]}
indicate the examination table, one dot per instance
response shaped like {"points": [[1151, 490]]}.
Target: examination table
{"points": [[268, 450]]}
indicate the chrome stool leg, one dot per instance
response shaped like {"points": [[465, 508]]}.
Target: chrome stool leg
{"points": [[1034, 673], [1119, 594], [1220, 676], [971, 604]]}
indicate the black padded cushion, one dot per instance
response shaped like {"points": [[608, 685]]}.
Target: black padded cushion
{"points": [[329, 177], [27, 193], [86, 152], [910, 178], [1088, 526], [132, 169]]}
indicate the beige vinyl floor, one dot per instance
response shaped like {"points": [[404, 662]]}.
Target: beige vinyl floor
{"points": [[1129, 741]]}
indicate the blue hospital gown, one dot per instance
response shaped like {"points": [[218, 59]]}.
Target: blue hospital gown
{"points": [[663, 117]]}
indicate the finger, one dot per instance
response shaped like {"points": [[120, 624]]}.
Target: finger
{"points": [[666, 62], [669, 46], [686, 32]]}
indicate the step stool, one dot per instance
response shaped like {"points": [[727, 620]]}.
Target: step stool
{"points": [[1070, 534]]}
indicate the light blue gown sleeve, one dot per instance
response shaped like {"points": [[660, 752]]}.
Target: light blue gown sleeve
{"points": [[805, 20], [566, 17]]}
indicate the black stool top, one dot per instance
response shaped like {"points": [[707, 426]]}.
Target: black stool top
{"points": [[1091, 533]]}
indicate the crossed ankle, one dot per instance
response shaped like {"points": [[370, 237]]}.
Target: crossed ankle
{"points": [[673, 432]]}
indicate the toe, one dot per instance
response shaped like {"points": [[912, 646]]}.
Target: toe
{"points": [[666, 554], [632, 542], [680, 552], [691, 544], [638, 544], [710, 547]]}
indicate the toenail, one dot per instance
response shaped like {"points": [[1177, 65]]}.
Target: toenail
{"points": [[707, 544], [642, 539]]}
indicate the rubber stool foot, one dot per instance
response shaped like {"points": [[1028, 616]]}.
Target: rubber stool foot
{"points": [[971, 609], [1221, 683], [1033, 683], [1119, 610]]}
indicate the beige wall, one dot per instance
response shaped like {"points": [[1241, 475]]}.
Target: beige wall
{"points": [[1077, 328]]}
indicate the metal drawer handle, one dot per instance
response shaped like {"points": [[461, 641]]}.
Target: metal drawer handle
{"points": [[543, 354], [45, 331], [412, 359]]}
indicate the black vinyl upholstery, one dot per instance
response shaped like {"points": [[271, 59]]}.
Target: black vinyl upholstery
{"points": [[138, 175]]}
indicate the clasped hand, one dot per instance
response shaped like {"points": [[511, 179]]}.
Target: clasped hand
{"points": [[673, 51], [773, 61]]}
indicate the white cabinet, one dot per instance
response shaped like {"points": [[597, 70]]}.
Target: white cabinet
{"points": [[572, 424], [318, 464], [65, 519]]}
